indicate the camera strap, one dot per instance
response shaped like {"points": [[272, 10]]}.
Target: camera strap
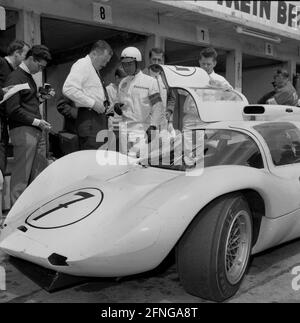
{"points": [[104, 88]]}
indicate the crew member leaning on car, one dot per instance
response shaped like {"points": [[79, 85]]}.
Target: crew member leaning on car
{"points": [[285, 93], [26, 123], [140, 103], [208, 61]]}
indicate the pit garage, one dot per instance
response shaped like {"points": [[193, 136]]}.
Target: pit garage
{"points": [[257, 72], [8, 33], [258, 76], [69, 41], [297, 79], [188, 55]]}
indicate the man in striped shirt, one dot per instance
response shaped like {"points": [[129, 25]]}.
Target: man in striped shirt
{"points": [[285, 93]]}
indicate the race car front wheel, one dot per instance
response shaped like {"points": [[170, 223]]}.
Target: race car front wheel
{"points": [[213, 254]]}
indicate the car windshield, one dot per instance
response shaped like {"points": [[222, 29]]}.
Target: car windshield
{"points": [[182, 141], [203, 148], [217, 94], [283, 140], [186, 114]]}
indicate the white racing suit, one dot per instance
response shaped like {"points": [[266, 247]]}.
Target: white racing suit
{"points": [[142, 107]]}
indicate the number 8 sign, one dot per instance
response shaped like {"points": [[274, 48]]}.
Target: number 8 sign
{"points": [[102, 13]]}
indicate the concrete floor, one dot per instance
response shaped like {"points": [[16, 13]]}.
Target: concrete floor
{"points": [[269, 280]]}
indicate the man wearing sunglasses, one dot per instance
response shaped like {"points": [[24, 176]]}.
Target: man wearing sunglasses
{"points": [[26, 123]]}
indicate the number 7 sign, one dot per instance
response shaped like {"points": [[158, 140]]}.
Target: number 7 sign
{"points": [[202, 35]]}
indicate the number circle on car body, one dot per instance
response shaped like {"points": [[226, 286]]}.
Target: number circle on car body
{"points": [[182, 70], [66, 209]]}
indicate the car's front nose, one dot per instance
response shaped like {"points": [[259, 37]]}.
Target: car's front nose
{"points": [[96, 226]]}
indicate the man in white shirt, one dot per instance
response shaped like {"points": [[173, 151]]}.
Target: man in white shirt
{"points": [[208, 61], [141, 105], [85, 87]]}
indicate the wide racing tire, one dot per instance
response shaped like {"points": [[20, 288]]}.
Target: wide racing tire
{"points": [[213, 254]]}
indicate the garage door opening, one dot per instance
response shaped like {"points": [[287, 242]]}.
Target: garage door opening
{"points": [[9, 34], [69, 41], [188, 55], [258, 76]]}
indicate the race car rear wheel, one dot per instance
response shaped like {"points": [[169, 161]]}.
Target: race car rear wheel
{"points": [[213, 254]]}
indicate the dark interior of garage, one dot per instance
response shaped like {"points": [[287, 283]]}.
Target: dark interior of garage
{"points": [[188, 55], [74, 40]]}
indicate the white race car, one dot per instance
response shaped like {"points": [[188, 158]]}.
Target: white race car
{"points": [[231, 189]]}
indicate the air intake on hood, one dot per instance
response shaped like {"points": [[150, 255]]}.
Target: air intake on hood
{"points": [[22, 228], [57, 260]]}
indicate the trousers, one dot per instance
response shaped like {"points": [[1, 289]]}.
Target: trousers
{"points": [[29, 148]]}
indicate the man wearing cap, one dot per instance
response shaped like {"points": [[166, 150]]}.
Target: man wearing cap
{"points": [[285, 93], [140, 102]]}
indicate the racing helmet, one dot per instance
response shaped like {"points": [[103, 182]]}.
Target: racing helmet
{"points": [[131, 54]]}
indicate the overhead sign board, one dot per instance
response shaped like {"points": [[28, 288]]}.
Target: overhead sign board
{"points": [[264, 15]]}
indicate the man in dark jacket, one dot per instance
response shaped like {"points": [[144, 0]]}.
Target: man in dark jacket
{"points": [[25, 122], [16, 52], [68, 137]]}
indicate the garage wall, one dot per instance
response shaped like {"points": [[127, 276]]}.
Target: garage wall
{"points": [[298, 79]]}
